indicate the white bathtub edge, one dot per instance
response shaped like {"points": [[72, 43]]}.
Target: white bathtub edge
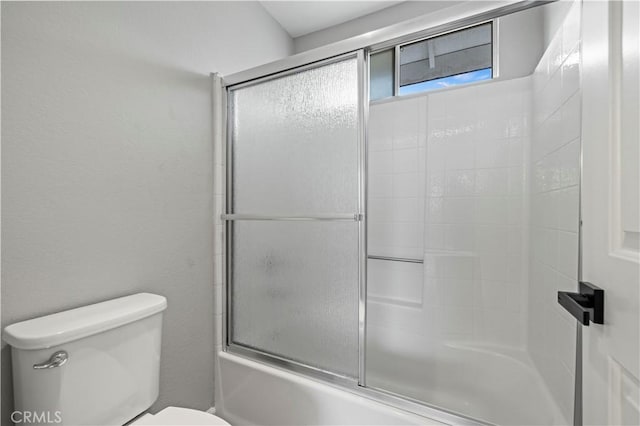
{"points": [[255, 393]]}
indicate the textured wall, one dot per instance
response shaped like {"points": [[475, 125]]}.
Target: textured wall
{"points": [[107, 163]]}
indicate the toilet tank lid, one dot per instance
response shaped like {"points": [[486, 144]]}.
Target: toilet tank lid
{"points": [[62, 327]]}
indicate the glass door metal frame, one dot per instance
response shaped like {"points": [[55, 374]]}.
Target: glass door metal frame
{"points": [[360, 47], [357, 385], [358, 216]]}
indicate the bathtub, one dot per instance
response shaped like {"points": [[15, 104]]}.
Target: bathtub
{"points": [[253, 393], [491, 384]]}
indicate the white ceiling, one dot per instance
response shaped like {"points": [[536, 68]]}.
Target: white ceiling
{"points": [[303, 17]]}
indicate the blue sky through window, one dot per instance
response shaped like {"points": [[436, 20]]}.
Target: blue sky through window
{"points": [[440, 83]]}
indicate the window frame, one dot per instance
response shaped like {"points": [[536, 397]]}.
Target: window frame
{"points": [[495, 62]]}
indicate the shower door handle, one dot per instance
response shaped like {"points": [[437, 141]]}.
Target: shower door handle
{"points": [[585, 306]]}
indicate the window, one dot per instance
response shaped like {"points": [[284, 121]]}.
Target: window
{"points": [[451, 59]]}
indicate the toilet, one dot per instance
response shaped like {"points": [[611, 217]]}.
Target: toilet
{"points": [[179, 416], [94, 365]]}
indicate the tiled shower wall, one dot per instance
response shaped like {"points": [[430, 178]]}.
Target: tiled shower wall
{"points": [[555, 165], [397, 146], [475, 245], [397, 140], [447, 185]]}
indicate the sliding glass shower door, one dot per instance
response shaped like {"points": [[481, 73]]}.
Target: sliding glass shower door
{"points": [[294, 209]]}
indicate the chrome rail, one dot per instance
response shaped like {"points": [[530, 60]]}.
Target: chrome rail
{"points": [[349, 217], [396, 259]]}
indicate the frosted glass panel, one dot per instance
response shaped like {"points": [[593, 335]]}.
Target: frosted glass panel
{"points": [[295, 143], [381, 71], [294, 285], [295, 291]]}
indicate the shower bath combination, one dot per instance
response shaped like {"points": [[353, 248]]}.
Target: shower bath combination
{"points": [[384, 245], [399, 242]]}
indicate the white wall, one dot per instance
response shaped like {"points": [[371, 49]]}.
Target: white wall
{"points": [[554, 16], [520, 42], [107, 169], [555, 163]]}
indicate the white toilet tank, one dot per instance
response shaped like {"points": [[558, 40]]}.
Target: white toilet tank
{"points": [[112, 362]]}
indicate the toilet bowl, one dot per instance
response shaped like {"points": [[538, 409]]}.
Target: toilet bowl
{"points": [[177, 416]]}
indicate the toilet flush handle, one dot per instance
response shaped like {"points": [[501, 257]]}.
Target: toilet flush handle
{"points": [[58, 359]]}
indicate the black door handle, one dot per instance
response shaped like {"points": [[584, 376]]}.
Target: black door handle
{"points": [[586, 306]]}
